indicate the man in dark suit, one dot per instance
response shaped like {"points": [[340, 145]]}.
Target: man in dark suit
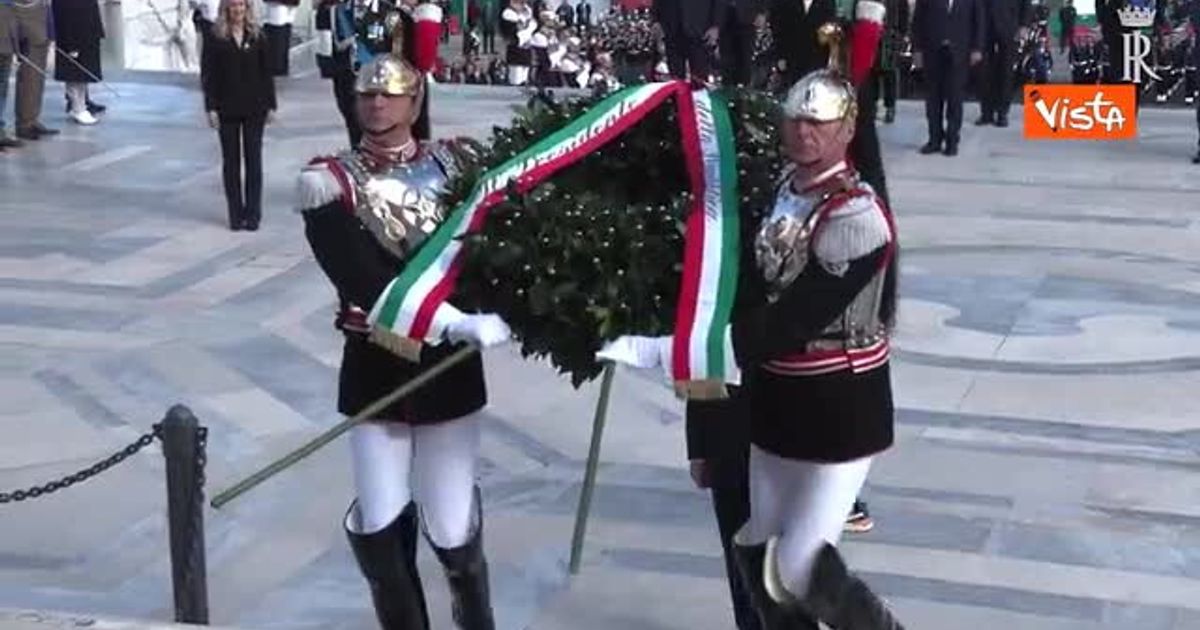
{"points": [[689, 28], [566, 14], [739, 23], [1005, 20], [947, 40], [583, 15], [718, 447], [794, 25]]}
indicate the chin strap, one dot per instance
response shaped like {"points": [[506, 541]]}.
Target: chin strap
{"points": [[385, 155]]}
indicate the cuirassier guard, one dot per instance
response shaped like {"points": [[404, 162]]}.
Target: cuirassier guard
{"points": [[365, 212], [350, 33], [811, 333]]}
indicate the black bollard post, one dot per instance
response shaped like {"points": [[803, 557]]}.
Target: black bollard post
{"points": [[183, 448]]}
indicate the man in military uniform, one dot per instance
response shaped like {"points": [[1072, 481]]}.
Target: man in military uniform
{"points": [[810, 333], [796, 28], [1006, 23], [365, 212], [811, 336], [350, 33]]}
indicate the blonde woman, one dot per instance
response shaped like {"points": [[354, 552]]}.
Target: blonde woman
{"points": [[239, 96]]}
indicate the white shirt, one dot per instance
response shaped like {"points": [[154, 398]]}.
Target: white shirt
{"points": [[277, 14]]}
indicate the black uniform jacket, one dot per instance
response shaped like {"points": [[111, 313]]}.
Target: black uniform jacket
{"points": [[835, 417], [237, 78], [360, 268]]}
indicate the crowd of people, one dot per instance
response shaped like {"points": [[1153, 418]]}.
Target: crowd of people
{"points": [[545, 48], [74, 30], [29, 30], [547, 44]]}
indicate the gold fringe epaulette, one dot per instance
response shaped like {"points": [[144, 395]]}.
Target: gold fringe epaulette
{"points": [[404, 347]]}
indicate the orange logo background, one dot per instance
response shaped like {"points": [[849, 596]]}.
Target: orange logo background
{"points": [[1080, 112]]}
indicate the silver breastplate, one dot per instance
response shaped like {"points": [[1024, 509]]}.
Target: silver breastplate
{"points": [[401, 207], [784, 248], [783, 243]]}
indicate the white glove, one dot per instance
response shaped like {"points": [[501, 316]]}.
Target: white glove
{"points": [[639, 352], [485, 330]]}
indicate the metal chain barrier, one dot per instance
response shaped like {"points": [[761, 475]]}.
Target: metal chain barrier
{"points": [[185, 449], [142, 442]]}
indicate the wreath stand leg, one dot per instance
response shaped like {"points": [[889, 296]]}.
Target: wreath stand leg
{"points": [[589, 475]]}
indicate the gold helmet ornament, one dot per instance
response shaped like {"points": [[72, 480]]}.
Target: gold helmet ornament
{"points": [[389, 72], [823, 95]]}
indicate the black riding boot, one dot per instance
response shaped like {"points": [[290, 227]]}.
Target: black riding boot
{"points": [[388, 560], [771, 614], [842, 600], [467, 573]]}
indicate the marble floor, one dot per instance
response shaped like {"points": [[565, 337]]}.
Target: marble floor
{"points": [[1046, 474]]}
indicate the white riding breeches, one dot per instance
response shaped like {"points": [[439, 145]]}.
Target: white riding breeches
{"points": [[435, 465], [518, 75], [803, 503]]}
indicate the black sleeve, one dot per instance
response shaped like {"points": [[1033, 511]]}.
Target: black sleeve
{"points": [[267, 73], [978, 25], [762, 331], [1024, 13], [348, 254], [716, 428], [900, 24], [209, 75], [918, 26], [697, 430], [64, 34], [719, 429]]}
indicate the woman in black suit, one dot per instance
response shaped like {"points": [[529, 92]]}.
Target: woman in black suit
{"points": [[239, 96]]}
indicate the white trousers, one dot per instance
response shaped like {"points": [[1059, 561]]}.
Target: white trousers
{"points": [[77, 94], [434, 465], [518, 75], [803, 503]]}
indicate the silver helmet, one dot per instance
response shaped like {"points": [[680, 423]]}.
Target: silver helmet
{"points": [[824, 95], [821, 96]]}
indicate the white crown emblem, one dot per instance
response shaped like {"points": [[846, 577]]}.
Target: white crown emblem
{"points": [[1136, 17]]}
